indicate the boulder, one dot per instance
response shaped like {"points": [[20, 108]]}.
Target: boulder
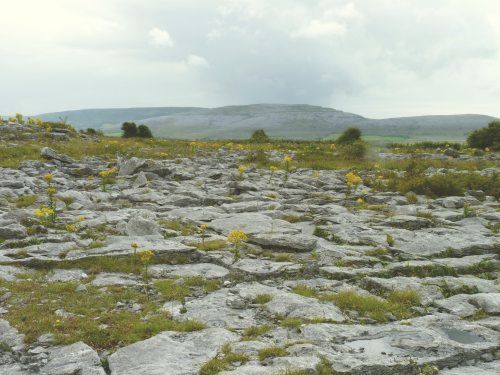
{"points": [[51, 154]]}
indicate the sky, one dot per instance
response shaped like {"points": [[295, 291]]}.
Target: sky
{"points": [[382, 58]]}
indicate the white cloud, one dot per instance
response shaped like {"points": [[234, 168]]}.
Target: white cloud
{"points": [[197, 61], [160, 38], [319, 29]]}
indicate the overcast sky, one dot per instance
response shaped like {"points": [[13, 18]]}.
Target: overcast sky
{"points": [[377, 58]]}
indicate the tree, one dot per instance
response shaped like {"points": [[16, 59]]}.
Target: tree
{"points": [[144, 132], [129, 130], [486, 137], [259, 136], [349, 135]]}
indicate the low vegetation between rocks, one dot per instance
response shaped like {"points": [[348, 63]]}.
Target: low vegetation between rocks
{"points": [[246, 257]]}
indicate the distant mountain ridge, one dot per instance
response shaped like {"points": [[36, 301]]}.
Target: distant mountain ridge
{"points": [[295, 121]]}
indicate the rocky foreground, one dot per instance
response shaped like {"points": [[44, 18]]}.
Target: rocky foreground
{"points": [[322, 279]]}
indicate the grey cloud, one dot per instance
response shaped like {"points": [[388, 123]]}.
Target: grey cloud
{"points": [[375, 58]]}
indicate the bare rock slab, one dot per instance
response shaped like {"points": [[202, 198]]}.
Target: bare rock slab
{"points": [[170, 353]]}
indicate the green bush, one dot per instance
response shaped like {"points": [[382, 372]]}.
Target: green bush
{"points": [[259, 136], [349, 135], [486, 137], [129, 130], [353, 151], [144, 132]]}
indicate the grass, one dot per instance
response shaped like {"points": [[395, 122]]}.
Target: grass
{"points": [[262, 299], [211, 245], [177, 225], [222, 361], [253, 332], [272, 352], [397, 303], [179, 289], [304, 291], [26, 201], [92, 315]]}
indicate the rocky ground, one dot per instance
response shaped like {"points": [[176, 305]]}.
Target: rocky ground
{"points": [[319, 278]]}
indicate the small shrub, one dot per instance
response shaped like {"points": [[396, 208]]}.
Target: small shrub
{"points": [[390, 240], [349, 135], [259, 136], [411, 197]]}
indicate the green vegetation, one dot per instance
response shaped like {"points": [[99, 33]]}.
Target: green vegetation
{"points": [[259, 136], [443, 185], [186, 229], [488, 137], [89, 316], [222, 361], [350, 135], [26, 201], [251, 333], [179, 289], [272, 352], [131, 130], [262, 299]]}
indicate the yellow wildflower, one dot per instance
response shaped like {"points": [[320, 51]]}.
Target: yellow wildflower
{"points": [[360, 201], [44, 212], [287, 159], [134, 245], [51, 191], [48, 177], [237, 236], [352, 179], [145, 256], [70, 227], [273, 168], [81, 218], [108, 172], [242, 169]]}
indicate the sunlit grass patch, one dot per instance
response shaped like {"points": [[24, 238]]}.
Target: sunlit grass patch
{"points": [[92, 316]]}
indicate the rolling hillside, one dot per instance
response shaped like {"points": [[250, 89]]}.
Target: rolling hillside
{"points": [[279, 120]]}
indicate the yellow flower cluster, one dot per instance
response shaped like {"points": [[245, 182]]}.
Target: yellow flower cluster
{"points": [[44, 212], [242, 169], [352, 179], [48, 177], [51, 191], [145, 256], [70, 227], [237, 236], [273, 168], [108, 172], [287, 159]]}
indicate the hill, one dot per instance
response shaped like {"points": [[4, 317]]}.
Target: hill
{"points": [[279, 120]]}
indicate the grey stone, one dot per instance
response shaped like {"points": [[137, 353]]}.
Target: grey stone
{"points": [[205, 270], [48, 153], [172, 353]]}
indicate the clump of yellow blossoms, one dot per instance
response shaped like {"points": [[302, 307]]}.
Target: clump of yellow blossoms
{"points": [[237, 236], [70, 227], [352, 179], [241, 170], [145, 256], [107, 177], [51, 191], [48, 177], [44, 212]]}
